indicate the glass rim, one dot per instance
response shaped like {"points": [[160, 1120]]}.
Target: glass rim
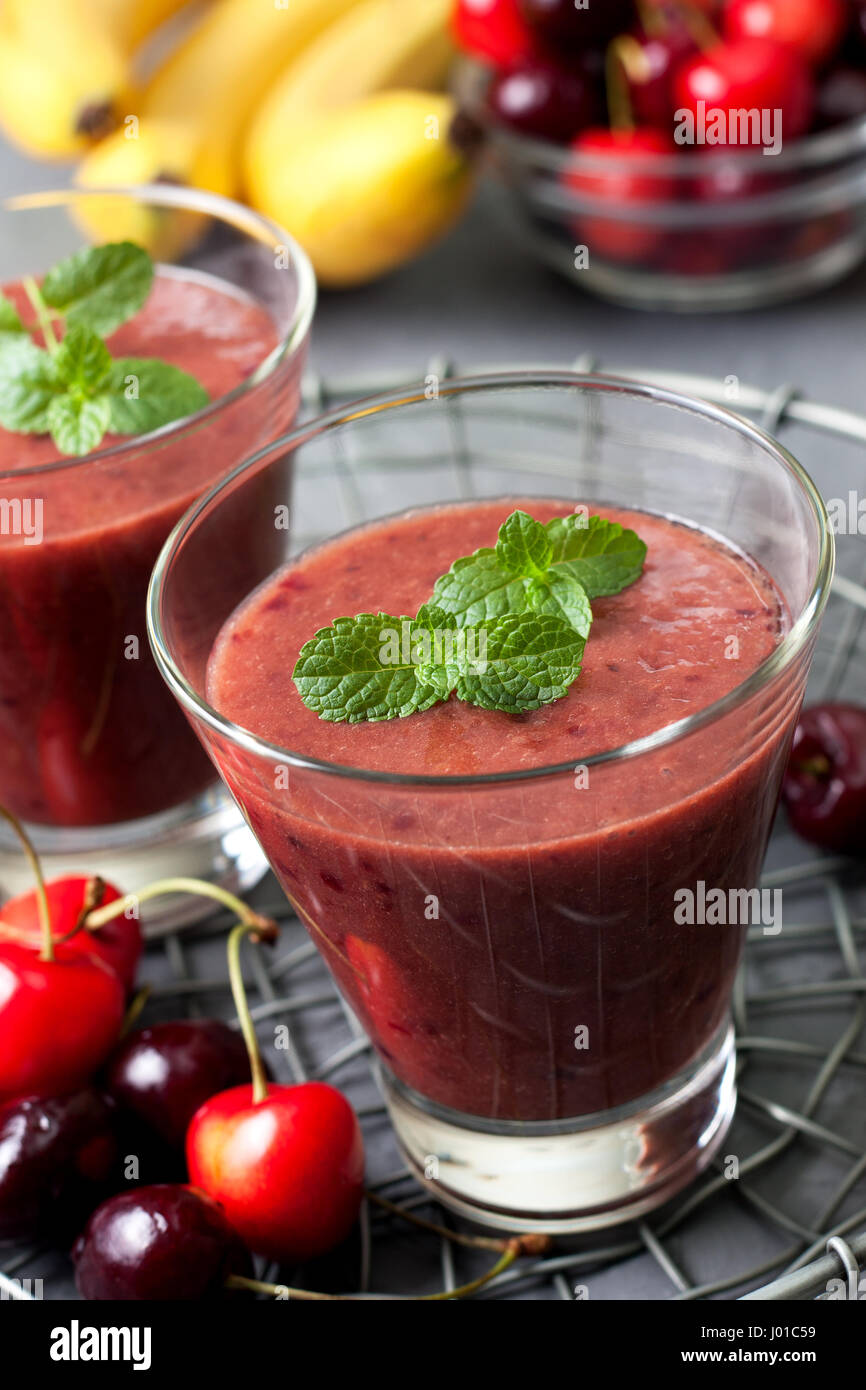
{"points": [[782, 656], [243, 219]]}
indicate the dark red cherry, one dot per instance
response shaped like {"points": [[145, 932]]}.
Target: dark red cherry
{"points": [[841, 97], [579, 26], [825, 784], [162, 1074], [650, 59], [55, 1157], [539, 98], [161, 1243]]}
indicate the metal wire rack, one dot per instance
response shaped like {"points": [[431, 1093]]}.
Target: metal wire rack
{"points": [[786, 1200]]}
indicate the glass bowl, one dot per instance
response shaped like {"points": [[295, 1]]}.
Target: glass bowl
{"points": [[735, 229]]}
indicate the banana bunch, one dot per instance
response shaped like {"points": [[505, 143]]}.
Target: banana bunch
{"points": [[327, 115]]}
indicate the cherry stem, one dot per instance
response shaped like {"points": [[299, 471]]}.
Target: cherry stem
{"points": [[47, 952], [239, 994], [819, 766], [699, 27], [251, 924], [476, 1242], [513, 1250], [40, 308], [616, 82], [632, 58], [136, 1007]]}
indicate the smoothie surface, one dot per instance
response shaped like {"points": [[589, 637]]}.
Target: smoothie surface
{"points": [[218, 337], [700, 620]]}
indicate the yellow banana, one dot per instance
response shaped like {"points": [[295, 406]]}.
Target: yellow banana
{"points": [[63, 82], [369, 185], [377, 45], [214, 79], [130, 22], [147, 152]]}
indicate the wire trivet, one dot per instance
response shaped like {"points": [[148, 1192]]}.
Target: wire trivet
{"points": [[781, 1214]]}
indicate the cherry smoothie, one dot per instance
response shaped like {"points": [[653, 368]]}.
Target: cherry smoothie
{"points": [[511, 947], [88, 733]]}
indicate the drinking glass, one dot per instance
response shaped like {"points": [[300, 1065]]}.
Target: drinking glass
{"points": [[555, 1046]]}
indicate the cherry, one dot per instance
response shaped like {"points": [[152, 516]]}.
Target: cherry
{"points": [[749, 74], [492, 29], [538, 98], [624, 179], [825, 784], [118, 943], [55, 1155], [650, 59], [286, 1163], [58, 1019], [162, 1074], [841, 97], [563, 22], [159, 1243], [814, 27], [288, 1170]]}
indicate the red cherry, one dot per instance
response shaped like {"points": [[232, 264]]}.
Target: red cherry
{"points": [[625, 180], [118, 943], [750, 74], [288, 1171], [58, 1019], [492, 29], [825, 785], [538, 98], [814, 27]]}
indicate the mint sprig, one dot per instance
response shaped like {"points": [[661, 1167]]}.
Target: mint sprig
{"points": [[72, 388], [505, 629], [347, 672]]}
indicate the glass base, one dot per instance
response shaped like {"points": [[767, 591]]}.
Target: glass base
{"points": [[206, 837], [571, 1175]]}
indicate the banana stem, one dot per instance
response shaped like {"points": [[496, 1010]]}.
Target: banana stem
{"points": [[47, 952]]}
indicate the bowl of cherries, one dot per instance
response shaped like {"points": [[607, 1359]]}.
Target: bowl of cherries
{"points": [[676, 154]]}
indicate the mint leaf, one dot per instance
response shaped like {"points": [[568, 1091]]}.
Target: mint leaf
{"points": [[601, 555], [146, 394], [523, 547], [357, 669], [77, 423], [82, 361], [505, 629], [531, 661], [513, 578], [28, 384], [100, 287], [10, 319]]}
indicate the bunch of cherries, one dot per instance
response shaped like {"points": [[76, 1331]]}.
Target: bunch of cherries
{"points": [[607, 80], [85, 1107]]}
